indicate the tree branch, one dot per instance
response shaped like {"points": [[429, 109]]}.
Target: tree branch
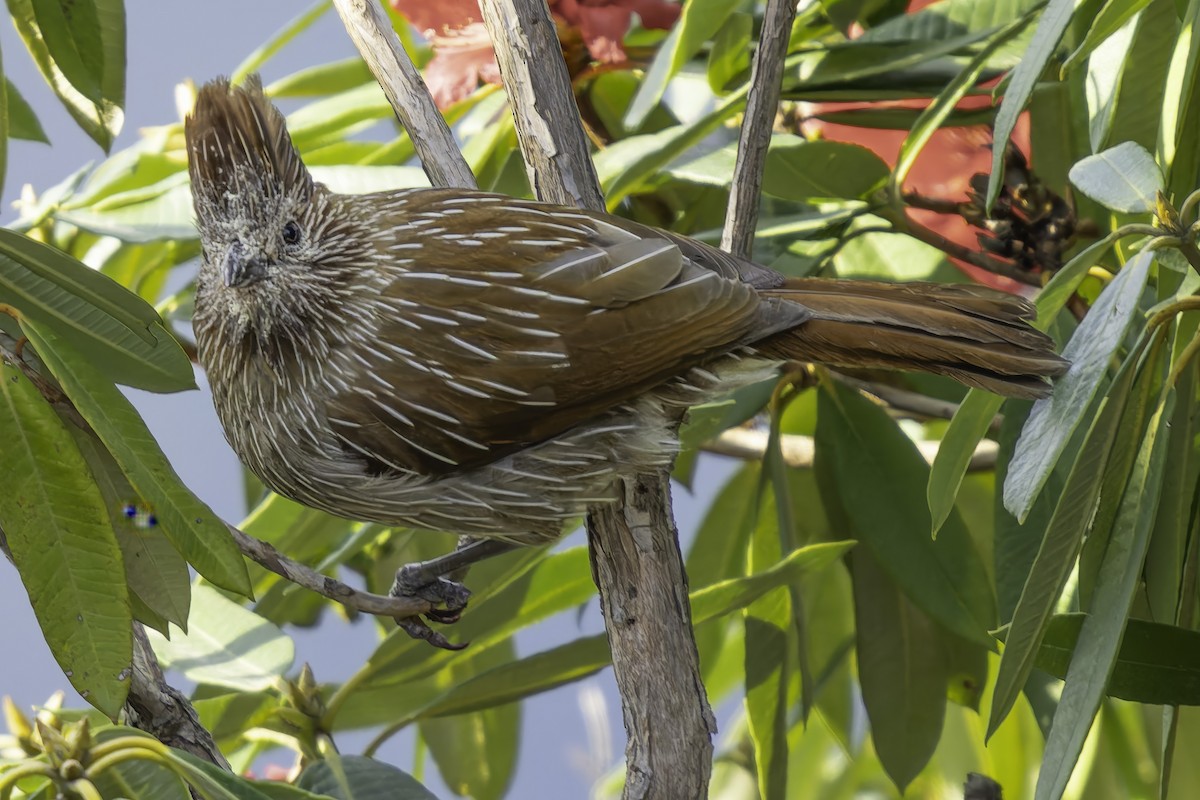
{"points": [[553, 142], [380, 47], [741, 215], [634, 546], [751, 445], [271, 559], [161, 710]]}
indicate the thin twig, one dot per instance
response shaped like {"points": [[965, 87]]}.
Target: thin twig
{"points": [[268, 557], [741, 216], [749, 444], [914, 403], [380, 47], [972, 257]]}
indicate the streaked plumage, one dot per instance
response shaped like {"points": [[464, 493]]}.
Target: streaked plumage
{"points": [[486, 365]]}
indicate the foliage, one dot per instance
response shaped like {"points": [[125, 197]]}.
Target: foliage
{"points": [[944, 603]]}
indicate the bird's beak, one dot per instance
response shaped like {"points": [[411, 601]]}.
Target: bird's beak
{"points": [[240, 271]]}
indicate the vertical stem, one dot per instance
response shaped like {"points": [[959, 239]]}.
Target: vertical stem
{"points": [[741, 216], [380, 47], [634, 545]]}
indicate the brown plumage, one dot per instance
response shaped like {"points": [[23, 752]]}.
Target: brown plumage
{"points": [[486, 365]]}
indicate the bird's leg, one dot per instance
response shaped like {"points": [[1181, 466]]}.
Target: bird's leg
{"points": [[438, 581]]}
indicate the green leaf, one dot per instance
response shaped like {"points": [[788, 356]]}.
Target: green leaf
{"points": [[213, 782], [1015, 546], [901, 669], [1055, 418], [338, 114], [807, 172], [1054, 295], [137, 778], [264, 52], [969, 424], [935, 114], [538, 585], [1178, 137], [5, 126], [1122, 178], [1166, 559], [587, 655], [1056, 558], [323, 79], [111, 325], [949, 19], [698, 22], [1111, 18], [226, 716], [1100, 636], [1123, 70], [154, 570], [1024, 77], [476, 753], [881, 477], [730, 53], [724, 597], [226, 645], [195, 531], [58, 532], [361, 778], [22, 122], [769, 664], [719, 550], [867, 64], [625, 166], [79, 47], [1157, 664]]}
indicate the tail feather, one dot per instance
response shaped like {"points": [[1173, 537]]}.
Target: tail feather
{"points": [[980, 337]]}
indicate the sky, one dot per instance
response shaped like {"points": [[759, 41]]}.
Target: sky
{"points": [[170, 41]]}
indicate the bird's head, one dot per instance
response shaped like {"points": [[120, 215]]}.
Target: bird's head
{"points": [[278, 248]]}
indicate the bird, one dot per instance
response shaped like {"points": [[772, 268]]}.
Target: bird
{"points": [[458, 360]]}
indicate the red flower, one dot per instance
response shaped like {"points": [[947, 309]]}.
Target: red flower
{"points": [[463, 52]]}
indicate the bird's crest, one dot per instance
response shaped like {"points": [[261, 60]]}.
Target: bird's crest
{"points": [[238, 147]]}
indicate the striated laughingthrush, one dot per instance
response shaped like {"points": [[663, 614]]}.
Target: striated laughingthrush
{"points": [[471, 362]]}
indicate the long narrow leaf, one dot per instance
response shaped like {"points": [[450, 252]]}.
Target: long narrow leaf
{"points": [[1100, 638], [1055, 418], [1059, 549], [62, 543], [1045, 41], [197, 533]]}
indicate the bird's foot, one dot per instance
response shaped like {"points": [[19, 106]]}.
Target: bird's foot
{"points": [[447, 597], [426, 580]]}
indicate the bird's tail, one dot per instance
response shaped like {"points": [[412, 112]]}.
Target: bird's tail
{"points": [[979, 337]]}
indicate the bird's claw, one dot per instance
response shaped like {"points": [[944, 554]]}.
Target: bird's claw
{"points": [[447, 597], [417, 628]]}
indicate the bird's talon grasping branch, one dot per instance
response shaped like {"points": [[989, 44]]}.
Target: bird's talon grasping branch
{"points": [[418, 629]]}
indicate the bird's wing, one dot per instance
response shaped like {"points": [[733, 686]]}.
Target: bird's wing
{"points": [[510, 322]]}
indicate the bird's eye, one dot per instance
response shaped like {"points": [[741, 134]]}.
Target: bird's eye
{"points": [[291, 233]]}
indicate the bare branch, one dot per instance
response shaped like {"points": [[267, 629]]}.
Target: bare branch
{"points": [[552, 139], [913, 403], [634, 546], [741, 216], [751, 445], [161, 710], [380, 47], [301, 575]]}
